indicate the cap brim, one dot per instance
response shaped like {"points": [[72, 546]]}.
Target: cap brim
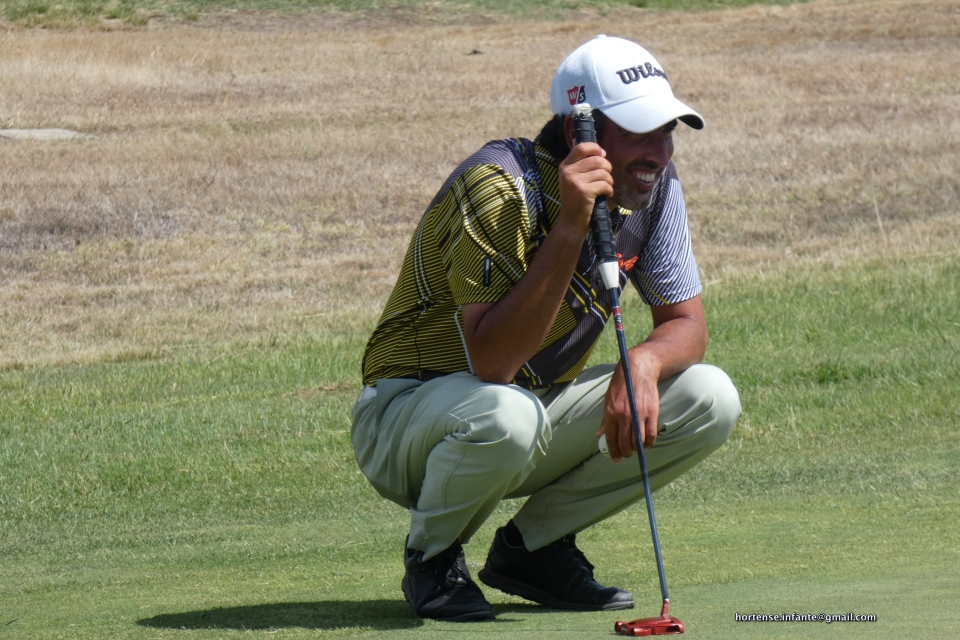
{"points": [[648, 113]]}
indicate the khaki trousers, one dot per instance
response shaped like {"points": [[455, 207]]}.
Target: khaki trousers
{"points": [[450, 449]]}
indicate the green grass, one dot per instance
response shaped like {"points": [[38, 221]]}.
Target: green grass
{"points": [[72, 13], [207, 493]]}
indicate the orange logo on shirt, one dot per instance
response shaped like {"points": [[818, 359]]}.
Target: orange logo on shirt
{"points": [[626, 265]]}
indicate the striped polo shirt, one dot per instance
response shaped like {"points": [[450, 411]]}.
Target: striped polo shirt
{"points": [[479, 235]]}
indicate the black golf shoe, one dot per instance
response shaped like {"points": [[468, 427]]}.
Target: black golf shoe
{"points": [[441, 587], [557, 575]]}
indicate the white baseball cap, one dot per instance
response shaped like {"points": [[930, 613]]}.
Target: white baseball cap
{"points": [[624, 81]]}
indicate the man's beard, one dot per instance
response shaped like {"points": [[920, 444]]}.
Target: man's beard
{"points": [[631, 199]]}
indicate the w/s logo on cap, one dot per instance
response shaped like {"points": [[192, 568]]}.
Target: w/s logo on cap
{"points": [[576, 95]]}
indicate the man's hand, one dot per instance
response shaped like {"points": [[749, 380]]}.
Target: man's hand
{"points": [[678, 340], [617, 423], [584, 176]]}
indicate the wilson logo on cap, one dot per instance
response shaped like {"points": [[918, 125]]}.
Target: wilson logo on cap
{"points": [[632, 74], [576, 95]]}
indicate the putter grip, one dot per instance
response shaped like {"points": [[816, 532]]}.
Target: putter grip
{"points": [[601, 230]]}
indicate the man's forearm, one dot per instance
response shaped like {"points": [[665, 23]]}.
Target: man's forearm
{"points": [[502, 336], [509, 332], [677, 342], [665, 356]]}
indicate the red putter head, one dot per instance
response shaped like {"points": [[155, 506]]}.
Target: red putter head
{"points": [[662, 625]]}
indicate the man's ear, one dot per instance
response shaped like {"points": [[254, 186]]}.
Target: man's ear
{"points": [[568, 134]]}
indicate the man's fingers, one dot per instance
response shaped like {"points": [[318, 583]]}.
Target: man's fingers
{"points": [[650, 433], [611, 427], [651, 427], [585, 149], [612, 450], [585, 158], [584, 177], [627, 443], [588, 171]]}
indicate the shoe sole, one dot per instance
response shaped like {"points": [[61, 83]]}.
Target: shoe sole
{"points": [[472, 616], [525, 591]]}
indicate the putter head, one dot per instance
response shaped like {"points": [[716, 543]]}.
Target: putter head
{"points": [[657, 626], [661, 625]]}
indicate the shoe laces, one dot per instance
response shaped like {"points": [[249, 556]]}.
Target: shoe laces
{"points": [[568, 545], [451, 567]]}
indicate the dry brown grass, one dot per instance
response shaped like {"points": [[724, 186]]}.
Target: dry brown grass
{"points": [[259, 176]]}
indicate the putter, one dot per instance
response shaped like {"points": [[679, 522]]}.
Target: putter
{"points": [[605, 251]]}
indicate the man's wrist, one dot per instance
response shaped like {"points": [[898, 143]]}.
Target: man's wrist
{"points": [[568, 234], [644, 362]]}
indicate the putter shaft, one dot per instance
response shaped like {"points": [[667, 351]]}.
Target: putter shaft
{"points": [[631, 397]]}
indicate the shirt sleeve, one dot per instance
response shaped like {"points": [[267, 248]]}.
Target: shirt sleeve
{"points": [[487, 234], [666, 272]]}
